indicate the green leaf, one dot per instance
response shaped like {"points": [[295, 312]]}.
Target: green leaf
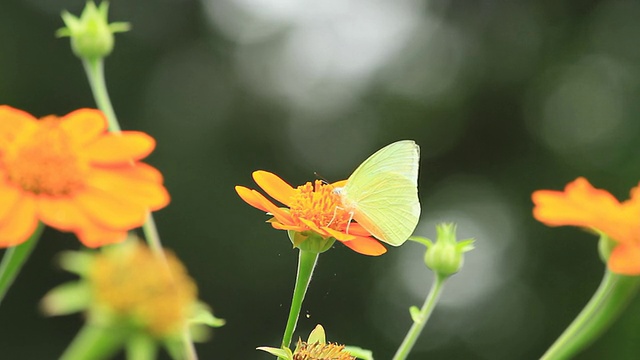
{"points": [[76, 262], [280, 353], [202, 315], [359, 352], [317, 335], [416, 316], [67, 299]]}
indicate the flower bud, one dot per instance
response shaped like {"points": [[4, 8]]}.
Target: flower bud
{"points": [[445, 256], [91, 35]]}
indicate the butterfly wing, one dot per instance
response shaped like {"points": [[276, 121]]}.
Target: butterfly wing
{"points": [[401, 157], [383, 192]]}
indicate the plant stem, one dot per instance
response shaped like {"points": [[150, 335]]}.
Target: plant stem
{"points": [[94, 68], [613, 295], [14, 258], [306, 263], [153, 237], [423, 316]]}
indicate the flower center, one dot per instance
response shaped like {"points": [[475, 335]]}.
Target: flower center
{"points": [[319, 203], [44, 161], [136, 284], [318, 351]]}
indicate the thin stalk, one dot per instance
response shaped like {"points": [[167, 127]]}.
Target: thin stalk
{"points": [[94, 68], [611, 297], [14, 258], [306, 263], [421, 320]]}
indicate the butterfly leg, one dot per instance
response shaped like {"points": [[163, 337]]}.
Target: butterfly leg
{"points": [[349, 222], [335, 211]]}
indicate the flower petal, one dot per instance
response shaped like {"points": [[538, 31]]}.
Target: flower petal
{"points": [[120, 147], [144, 171], [16, 228], [84, 125], [260, 202], [111, 212], [358, 230], [9, 195], [339, 235], [311, 225], [66, 215], [63, 214], [127, 185], [96, 236], [339, 184], [274, 186], [625, 260], [583, 205], [281, 226], [12, 122], [251, 197], [365, 246]]}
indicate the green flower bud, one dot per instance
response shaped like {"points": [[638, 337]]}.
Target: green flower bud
{"points": [[445, 256], [91, 35]]}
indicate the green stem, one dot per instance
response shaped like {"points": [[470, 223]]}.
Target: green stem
{"points": [[306, 263], [94, 342], [151, 234], [14, 258], [421, 320], [94, 69], [613, 295]]}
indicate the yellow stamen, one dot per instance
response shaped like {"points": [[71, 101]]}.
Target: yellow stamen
{"points": [[134, 283], [43, 161], [319, 351], [318, 203]]}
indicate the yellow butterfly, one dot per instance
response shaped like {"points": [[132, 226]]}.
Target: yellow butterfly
{"points": [[382, 193]]}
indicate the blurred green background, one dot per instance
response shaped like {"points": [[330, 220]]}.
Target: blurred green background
{"points": [[503, 97]]}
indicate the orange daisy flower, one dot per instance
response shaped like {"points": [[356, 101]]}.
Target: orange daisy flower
{"points": [[71, 174], [311, 207], [580, 204]]}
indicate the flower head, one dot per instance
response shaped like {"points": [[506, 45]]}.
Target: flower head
{"points": [[71, 174], [133, 283], [319, 351], [580, 204], [91, 34], [315, 348], [314, 212], [128, 286]]}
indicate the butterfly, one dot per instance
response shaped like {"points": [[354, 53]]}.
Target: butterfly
{"points": [[382, 193]]}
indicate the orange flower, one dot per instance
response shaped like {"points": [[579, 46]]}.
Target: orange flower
{"points": [[71, 174], [311, 207], [583, 205]]}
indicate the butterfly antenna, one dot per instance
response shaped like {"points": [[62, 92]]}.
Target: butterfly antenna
{"points": [[324, 180]]}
